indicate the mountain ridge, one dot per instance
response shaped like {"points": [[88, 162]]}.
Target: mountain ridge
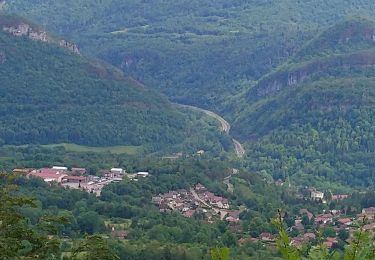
{"points": [[22, 28], [322, 58], [312, 118], [59, 96]]}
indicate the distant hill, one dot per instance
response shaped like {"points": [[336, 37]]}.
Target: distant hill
{"points": [[315, 114], [50, 94], [196, 52]]}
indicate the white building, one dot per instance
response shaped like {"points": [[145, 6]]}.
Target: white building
{"points": [[317, 195], [142, 174], [117, 170]]}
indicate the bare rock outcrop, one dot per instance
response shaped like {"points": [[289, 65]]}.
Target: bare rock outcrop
{"points": [[25, 30], [289, 78]]}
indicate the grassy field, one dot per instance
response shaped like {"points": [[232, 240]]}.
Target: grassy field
{"points": [[84, 149]]}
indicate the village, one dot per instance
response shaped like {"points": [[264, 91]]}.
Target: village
{"points": [[335, 224], [78, 178], [197, 201]]}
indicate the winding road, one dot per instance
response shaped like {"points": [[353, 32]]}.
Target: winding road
{"points": [[238, 147]]}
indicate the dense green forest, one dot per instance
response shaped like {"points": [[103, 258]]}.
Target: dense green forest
{"points": [[312, 118], [295, 78], [196, 52], [50, 95]]}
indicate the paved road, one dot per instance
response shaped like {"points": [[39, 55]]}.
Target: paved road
{"points": [[225, 126], [240, 151]]}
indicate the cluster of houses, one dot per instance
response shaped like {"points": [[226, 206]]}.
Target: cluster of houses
{"points": [[334, 219], [209, 197], [196, 201], [78, 178]]}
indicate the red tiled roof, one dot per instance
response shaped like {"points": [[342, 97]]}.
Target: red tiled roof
{"points": [[47, 173], [344, 220], [309, 236]]}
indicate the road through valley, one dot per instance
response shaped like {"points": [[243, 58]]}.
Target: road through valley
{"points": [[239, 149]]}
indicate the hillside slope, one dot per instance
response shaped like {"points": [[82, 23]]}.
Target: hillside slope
{"points": [[315, 114], [196, 52], [50, 94]]}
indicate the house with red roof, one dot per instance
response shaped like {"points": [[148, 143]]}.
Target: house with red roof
{"points": [[345, 221], [309, 236], [214, 200], [48, 175], [330, 242], [324, 219]]}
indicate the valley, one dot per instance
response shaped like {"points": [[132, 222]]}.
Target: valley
{"points": [[166, 130]]}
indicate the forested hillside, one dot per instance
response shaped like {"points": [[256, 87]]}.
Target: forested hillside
{"points": [[212, 53], [313, 117], [131, 175], [52, 95], [196, 52]]}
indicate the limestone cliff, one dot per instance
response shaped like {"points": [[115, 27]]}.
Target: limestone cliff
{"points": [[22, 29]]}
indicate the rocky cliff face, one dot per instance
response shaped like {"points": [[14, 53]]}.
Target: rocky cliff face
{"points": [[290, 78], [25, 30]]}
